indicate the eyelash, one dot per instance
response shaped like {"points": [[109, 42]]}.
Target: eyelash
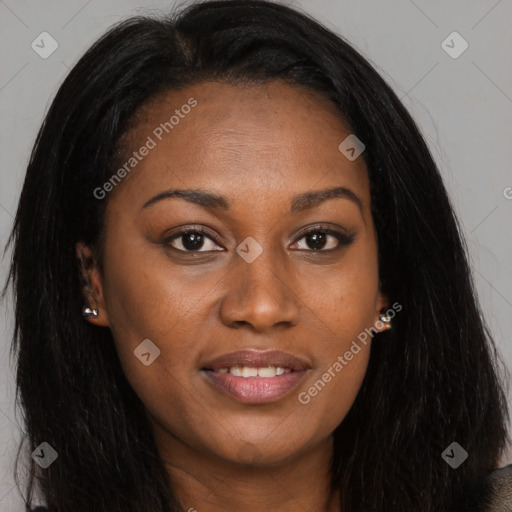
{"points": [[342, 238]]}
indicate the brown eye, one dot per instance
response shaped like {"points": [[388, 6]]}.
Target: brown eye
{"points": [[191, 240], [324, 240]]}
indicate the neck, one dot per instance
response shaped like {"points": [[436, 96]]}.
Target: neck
{"points": [[206, 483]]}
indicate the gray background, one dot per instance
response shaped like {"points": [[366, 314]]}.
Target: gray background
{"points": [[463, 106]]}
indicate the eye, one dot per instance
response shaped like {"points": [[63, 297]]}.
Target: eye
{"points": [[324, 240], [317, 239], [191, 240]]}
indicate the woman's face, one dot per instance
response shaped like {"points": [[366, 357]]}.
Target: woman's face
{"points": [[253, 279]]}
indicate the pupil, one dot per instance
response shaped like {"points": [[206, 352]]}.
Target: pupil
{"points": [[193, 241], [317, 239]]}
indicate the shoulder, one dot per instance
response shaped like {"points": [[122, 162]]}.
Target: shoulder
{"points": [[496, 491]]}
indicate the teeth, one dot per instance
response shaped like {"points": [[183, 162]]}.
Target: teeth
{"points": [[247, 371], [235, 370], [269, 371], [251, 371]]}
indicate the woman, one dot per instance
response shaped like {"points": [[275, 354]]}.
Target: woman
{"points": [[240, 284]]}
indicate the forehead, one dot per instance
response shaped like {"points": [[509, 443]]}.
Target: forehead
{"points": [[244, 141]]}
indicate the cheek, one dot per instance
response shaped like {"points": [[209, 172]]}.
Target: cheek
{"points": [[345, 297], [146, 303], [145, 296], [346, 307]]}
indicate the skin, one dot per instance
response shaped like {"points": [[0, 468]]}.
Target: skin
{"points": [[259, 146]]}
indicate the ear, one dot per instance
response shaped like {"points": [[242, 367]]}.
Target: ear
{"points": [[92, 286]]}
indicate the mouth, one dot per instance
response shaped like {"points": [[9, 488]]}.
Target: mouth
{"points": [[254, 377]]}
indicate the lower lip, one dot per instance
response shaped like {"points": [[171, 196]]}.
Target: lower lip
{"points": [[255, 390]]}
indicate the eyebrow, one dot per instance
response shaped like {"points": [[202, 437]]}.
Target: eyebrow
{"points": [[299, 203]]}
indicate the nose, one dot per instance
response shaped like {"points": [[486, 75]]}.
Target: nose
{"points": [[260, 295]]}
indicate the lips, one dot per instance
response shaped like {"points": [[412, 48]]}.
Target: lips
{"points": [[255, 377]]}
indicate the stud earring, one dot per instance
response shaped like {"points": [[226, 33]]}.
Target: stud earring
{"points": [[386, 320], [90, 313]]}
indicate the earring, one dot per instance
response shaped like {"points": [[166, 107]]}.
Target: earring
{"points": [[386, 320], [90, 313]]}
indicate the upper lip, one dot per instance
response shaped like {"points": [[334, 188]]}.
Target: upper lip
{"points": [[256, 358]]}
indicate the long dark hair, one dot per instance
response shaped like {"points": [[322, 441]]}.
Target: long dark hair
{"points": [[432, 380]]}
